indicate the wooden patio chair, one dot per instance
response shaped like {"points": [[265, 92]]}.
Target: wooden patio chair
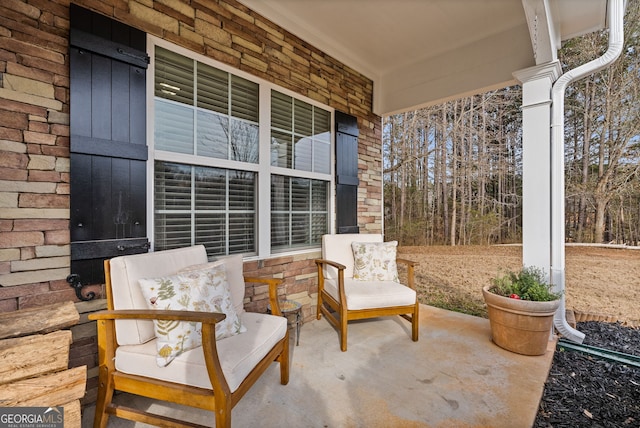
{"points": [[213, 376], [364, 286]]}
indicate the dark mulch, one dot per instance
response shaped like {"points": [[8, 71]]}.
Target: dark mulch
{"points": [[585, 391]]}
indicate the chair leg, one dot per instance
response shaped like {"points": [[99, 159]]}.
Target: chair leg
{"points": [[223, 412], [319, 308], [284, 362], [105, 395], [415, 323], [343, 333]]}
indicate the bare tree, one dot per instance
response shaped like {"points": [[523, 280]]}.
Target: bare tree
{"points": [[453, 172]]}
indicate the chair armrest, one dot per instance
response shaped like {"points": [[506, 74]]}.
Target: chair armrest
{"points": [[321, 263], [336, 265], [274, 281], [407, 262], [273, 284], [410, 270], [155, 314]]}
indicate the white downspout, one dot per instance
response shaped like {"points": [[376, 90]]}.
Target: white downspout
{"points": [[616, 39]]}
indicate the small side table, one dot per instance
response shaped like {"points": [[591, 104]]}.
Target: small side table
{"points": [[292, 311]]}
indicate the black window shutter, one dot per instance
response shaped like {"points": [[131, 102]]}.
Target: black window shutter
{"points": [[346, 173], [108, 63]]}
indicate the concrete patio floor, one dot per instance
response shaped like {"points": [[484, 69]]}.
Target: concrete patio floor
{"points": [[454, 376]]}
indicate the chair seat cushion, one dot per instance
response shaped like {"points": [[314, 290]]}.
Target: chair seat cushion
{"points": [[372, 294], [238, 355]]}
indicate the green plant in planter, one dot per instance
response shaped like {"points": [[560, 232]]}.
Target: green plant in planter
{"points": [[527, 284]]}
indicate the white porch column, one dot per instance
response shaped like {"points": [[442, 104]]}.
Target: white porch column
{"points": [[536, 162]]}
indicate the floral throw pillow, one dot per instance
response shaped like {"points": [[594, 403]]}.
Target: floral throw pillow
{"points": [[204, 290], [375, 261]]}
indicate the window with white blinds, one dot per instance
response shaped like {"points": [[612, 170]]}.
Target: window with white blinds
{"points": [[203, 111], [299, 214], [202, 205], [300, 135], [208, 168]]}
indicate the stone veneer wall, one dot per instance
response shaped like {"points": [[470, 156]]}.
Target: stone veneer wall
{"points": [[34, 131]]}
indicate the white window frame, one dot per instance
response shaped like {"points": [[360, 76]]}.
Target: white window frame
{"points": [[263, 168]]}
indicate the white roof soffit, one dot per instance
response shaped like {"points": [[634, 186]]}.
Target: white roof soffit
{"points": [[423, 52]]}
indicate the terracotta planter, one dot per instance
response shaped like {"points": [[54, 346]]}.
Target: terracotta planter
{"points": [[520, 326]]}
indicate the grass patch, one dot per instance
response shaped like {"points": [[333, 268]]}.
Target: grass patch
{"points": [[451, 300], [455, 304], [439, 294]]}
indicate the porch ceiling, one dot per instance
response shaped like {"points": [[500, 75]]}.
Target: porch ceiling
{"points": [[421, 52]]}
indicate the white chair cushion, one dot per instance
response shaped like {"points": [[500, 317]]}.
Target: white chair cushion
{"points": [[338, 248], [238, 355], [372, 294], [125, 273]]}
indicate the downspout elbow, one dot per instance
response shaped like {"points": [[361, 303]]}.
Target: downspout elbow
{"points": [[614, 50]]}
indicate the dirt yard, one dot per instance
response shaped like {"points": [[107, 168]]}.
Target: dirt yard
{"points": [[599, 281]]}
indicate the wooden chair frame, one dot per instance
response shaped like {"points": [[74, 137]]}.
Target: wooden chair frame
{"points": [[220, 400], [343, 314]]}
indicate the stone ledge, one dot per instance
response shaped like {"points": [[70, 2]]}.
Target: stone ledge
{"points": [[27, 186], [21, 278], [30, 99], [40, 264], [34, 213]]}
